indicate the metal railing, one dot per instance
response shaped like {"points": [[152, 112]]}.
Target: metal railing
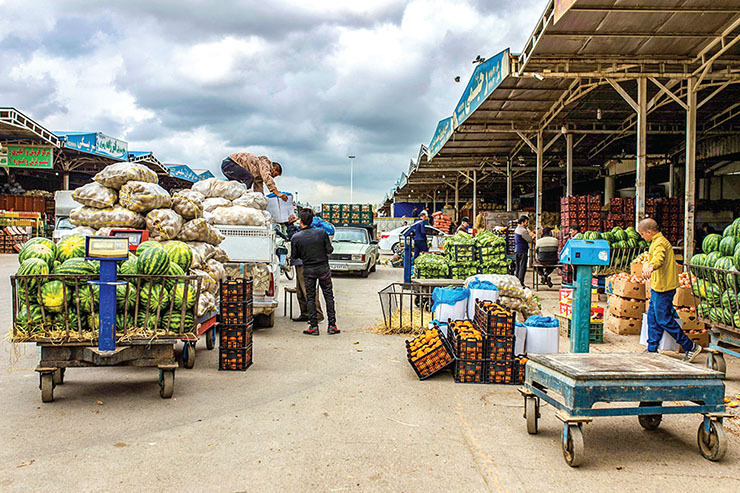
{"points": [[405, 307], [717, 291], [619, 260]]}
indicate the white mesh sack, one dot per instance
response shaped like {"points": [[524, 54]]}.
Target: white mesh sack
{"points": [[214, 203], [117, 175], [255, 200], [95, 195], [188, 203], [115, 217], [199, 230], [213, 187], [164, 224], [140, 196], [236, 215]]}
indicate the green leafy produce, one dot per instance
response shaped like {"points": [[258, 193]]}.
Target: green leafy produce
{"points": [[431, 266]]}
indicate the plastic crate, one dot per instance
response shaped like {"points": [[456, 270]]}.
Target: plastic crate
{"points": [[468, 349], [234, 359], [519, 370], [236, 290], [500, 371], [469, 371], [235, 336], [461, 254], [433, 362], [595, 332], [235, 313], [500, 323], [499, 347]]}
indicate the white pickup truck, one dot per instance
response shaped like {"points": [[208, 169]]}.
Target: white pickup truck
{"points": [[252, 253]]}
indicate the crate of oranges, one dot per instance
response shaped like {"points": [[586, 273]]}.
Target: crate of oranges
{"points": [[499, 347], [493, 319], [428, 353], [500, 371], [520, 363], [469, 371], [467, 341]]}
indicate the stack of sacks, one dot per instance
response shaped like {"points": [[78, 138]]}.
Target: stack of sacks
{"points": [[229, 202]]}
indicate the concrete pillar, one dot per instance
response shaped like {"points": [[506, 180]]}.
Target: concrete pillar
{"points": [[569, 165], [609, 185], [509, 187], [671, 180], [434, 202], [475, 195], [65, 181], [690, 181], [457, 199], [539, 192], [641, 172]]}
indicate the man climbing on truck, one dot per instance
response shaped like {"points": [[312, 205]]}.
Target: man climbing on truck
{"points": [[253, 171]]}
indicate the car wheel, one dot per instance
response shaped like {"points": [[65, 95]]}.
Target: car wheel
{"points": [[374, 267], [397, 248]]}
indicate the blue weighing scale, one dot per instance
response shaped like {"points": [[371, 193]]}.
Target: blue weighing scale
{"points": [[108, 250]]}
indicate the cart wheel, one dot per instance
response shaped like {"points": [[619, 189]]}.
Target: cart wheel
{"points": [[59, 377], [712, 444], [188, 355], [531, 412], [650, 421], [166, 383], [210, 338], [573, 449], [47, 387], [716, 361]]}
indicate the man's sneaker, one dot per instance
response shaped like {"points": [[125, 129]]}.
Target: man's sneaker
{"points": [[312, 331], [691, 355], [333, 330]]}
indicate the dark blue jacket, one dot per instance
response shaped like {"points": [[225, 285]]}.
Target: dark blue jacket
{"points": [[420, 231]]}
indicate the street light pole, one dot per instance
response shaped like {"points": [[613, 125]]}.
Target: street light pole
{"points": [[351, 177]]}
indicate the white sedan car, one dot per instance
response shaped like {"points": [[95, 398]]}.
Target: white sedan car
{"points": [[391, 240]]}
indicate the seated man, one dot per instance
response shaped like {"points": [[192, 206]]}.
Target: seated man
{"points": [[546, 253]]}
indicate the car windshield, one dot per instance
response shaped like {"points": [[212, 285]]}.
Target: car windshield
{"points": [[64, 224], [350, 235]]}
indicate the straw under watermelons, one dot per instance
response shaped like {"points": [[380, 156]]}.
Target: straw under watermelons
{"points": [[180, 254], [72, 246], [54, 296], [711, 243], [727, 246], [153, 262], [124, 323], [37, 250], [152, 296], [29, 320], [144, 246]]}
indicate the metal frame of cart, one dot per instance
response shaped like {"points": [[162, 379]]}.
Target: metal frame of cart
{"points": [[573, 383]]}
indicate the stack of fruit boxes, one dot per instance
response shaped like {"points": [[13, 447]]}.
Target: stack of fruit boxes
{"points": [[235, 325]]}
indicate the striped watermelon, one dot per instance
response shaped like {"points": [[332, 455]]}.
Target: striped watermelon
{"points": [[179, 253], [40, 240], [93, 321], [89, 295], [729, 231], [77, 267], [144, 246], [61, 320], [712, 258], [129, 267], [702, 311], [29, 320], [699, 288], [54, 296], [37, 250], [153, 262], [713, 294], [126, 297], [711, 243], [729, 299], [174, 320], [124, 323], [736, 227], [174, 270], [632, 243], [72, 246], [716, 315], [30, 267], [179, 295], [727, 246], [643, 244], [152, 296], [724, 263], [736, 256], [146, 320], [736, 319]]}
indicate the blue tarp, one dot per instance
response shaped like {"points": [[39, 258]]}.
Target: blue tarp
{"points": [[540, 321], [485, 285], [449, 296]]}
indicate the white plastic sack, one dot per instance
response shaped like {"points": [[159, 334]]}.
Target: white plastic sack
{"points": [[207, 283], [255, 200], [206, 304], [542, 340], [216, 270], [214, 203], [115, 217], [164, 224], [236, 215], [199, 230], [104, 231], [202, 252], [84, 231], [140, 196], [480, 295], [280, 209], [117, 175], [188, 203], [213, 187], [95, 195], [458, 311]]}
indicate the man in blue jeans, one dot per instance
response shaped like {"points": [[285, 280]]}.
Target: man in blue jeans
{"points": [[662, 271]]}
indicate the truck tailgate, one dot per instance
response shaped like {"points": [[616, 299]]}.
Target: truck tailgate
{"points": [[248, 243]]}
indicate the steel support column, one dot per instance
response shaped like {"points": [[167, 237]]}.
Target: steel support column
{"points": [[690, 185], [641, 171], [65, 181], [457, 199], [609, 185], [539, 193], [475, 195], [509, 187], [569, 164], [671, 180]]}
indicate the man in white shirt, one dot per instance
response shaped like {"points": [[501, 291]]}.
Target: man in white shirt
{"points": [[546, 253]]}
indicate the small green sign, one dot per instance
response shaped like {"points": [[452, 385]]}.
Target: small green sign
{"points": [[40, 157]]}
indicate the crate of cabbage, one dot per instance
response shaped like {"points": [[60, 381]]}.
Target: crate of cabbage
{"points": [[53, 302], [625, 245]]}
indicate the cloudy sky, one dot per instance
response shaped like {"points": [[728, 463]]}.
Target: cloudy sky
{"points": [[304, 82]]}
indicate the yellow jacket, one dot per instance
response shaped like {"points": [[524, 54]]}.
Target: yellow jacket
{"points": [[665, 276]]}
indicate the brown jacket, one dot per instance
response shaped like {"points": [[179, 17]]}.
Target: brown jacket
{"points": [[260, 167]]}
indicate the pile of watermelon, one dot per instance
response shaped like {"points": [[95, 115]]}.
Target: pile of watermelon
{"points": [[719, 291], [617, 237], [47, 305]]}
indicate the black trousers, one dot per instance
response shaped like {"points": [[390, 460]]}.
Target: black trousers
{"points": [[233, 171], [323, 276], [521, 266]]}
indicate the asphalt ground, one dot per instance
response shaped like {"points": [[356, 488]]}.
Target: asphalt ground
{"points": [[328, 413]]}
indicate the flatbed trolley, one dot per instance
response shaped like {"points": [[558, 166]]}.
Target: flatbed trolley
{"points": [[573, 383], [206, 325]]}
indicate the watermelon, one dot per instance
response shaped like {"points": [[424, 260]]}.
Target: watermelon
{"points": [[174, 270], [727, 316], [96, 266], [147, 320], [736, 227], [61, 320], [125, 298], [711, 243], [712, 259], [607, 236], [144, 246], [93, 321], [72, 246], [180, 293], [621, 235], [729, 231], [633, 235], [736, 320], [153, 262], [713, 294], [643, 244], [89, 295], [29, 320], [124, 323], [179, 253], [152, 296], [698, 259], [716, 315], [702, 311], [729, 300], [129, 267], [622, 244], [578, 236], [733, 278], [174, 319], [699, 288], [31, 267], [616, 229], [727, 246], [724, 263], [37, 250], [736, 256], [41, 241], [632, 243], [54, 296], [76, 266]]}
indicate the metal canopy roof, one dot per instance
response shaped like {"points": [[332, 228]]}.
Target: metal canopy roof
{"points": [[15, 126]]}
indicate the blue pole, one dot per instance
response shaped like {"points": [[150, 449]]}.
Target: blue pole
{"points": [[107, 310], [581, 317], [408, 258]]}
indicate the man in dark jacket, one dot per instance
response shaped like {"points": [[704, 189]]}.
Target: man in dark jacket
{"points": [[420, 234], [522, 239], [311, 248]]}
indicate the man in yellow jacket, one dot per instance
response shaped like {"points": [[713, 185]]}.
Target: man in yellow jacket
{"points": [[662, 271]]}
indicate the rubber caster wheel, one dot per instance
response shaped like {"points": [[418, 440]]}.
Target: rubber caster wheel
{"points": [[531, 413], [46, 384], [210, 339], [166, 383], [712, 443], [716, 361], [573, 449], [188, 355], [650, 421], [59, 376]]}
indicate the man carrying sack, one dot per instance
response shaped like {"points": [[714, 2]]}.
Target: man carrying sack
{"points": [[253, 171], [662, 271]]}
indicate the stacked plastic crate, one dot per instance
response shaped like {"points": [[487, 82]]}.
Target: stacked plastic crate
{"points": [[235, 325], [497, 325], [621, 213], [670, 218]]}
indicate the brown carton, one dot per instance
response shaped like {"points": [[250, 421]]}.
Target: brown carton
{"points": [[623, 326], [636, 268], [622, 307], [690, 321], [627, 289], [684, 297]]}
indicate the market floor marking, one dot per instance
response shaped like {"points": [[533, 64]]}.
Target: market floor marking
{"points": [[477, 452]]}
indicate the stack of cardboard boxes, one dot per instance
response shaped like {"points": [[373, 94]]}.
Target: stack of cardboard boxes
{"points": [[626, 305], [685, 303]]}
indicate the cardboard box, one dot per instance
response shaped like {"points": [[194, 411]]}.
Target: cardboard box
{"points": [[690, 321], [684, 297], [623, 326], [622, 307], [636, 268], [699, 337], [627, 289]]}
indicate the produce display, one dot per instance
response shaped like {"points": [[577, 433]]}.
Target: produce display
{"points": [[431, 266], [512, 295], [428, 353], [467, 256]]}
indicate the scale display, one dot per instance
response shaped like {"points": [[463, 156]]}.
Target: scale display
{"points": [[109, 247]]}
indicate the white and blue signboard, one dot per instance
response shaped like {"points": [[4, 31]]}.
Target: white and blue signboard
{"points": [[486, 77], [96, 143], [111, 147], [441, 135], [183, 172], [206, 175]]}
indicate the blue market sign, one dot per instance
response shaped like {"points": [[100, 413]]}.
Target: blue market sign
{"points": [[486, 77], [206, 175], [183, 172], [96, 143], [441, 135]]}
